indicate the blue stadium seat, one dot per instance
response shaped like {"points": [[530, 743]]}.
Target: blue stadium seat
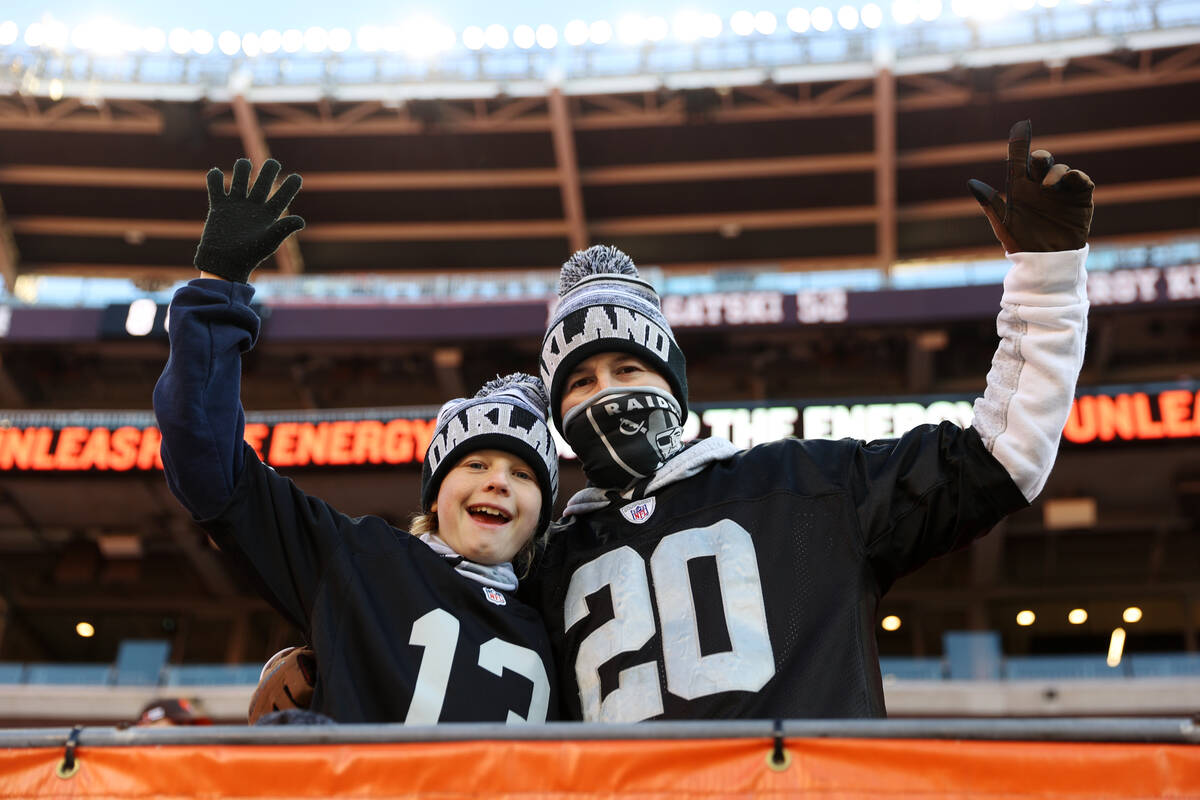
{"points": [[1164, 665], [912, 669], [212, 675], [972, 655], [12, 673], [69, 674], [140, 661], [1060, 667]]}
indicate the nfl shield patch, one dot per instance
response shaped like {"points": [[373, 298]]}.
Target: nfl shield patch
{"points": [[638, 511], [493, 596]]}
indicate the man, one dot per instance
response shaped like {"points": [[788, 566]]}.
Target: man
{"points": [[698, 581]]}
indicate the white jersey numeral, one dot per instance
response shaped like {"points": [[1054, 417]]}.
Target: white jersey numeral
{"points": [[747, 666], [637, 695], [437, 632]]}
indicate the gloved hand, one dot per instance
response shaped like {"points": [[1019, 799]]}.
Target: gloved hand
{"points": [[1049, 206], [287, 682], [241, 229]]}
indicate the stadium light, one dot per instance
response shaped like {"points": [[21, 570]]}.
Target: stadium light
{"points": [[179, 40], [128, 38], [48, 33], [872, 16], [229, 42], [1077, 616], [81, 37], [33, 35], [631, 29], [742, 23], [55, 90], [339, 40], [1048, 3], [369, 38], [688, 28], [316, 39], [822, 18], [547, 36], [765, 23], [473, 37], [270, 41], [202, 42], [154, 40], [600, 32], [292, 40], [890, 623], [1132, 614], [576, 32], [251, 45], [904, 12], [524, 37], [656, 29], [1116, 646], [710, 25], [496, 36], [1022, 5], [85, 629], [1026, 618], [930, 10], [798, 20], [847, 17], [8, 32]]}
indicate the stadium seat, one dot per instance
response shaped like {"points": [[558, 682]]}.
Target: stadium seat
{"points": [[972, 655], [140, 661], [69, 674], [1060, 667], [212, 675]]}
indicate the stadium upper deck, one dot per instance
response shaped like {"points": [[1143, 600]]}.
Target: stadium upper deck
{"points": [[730, 177]]}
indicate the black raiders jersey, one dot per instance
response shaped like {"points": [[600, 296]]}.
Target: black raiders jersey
{"points": [[750, 589], [400, 636]]}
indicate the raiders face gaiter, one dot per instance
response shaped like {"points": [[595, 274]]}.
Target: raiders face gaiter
{"points": [[624, 434]]}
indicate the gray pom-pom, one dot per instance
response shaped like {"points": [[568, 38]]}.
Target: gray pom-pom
{"points": [[599, 259], [518, 382]]}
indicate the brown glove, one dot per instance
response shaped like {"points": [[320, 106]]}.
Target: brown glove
{"points": [[1049, 206], [287, 682]]}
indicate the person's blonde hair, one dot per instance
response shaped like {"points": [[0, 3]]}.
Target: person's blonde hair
{"points": [[424, 522]]}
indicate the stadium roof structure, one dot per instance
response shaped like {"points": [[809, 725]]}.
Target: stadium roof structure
{"points": [[719, 175]]}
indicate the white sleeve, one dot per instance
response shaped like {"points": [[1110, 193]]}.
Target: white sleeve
{"points": [[1030, 387]]}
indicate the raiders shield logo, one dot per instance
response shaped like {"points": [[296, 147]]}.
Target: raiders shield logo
{"points": [[638, 511], [493, 596]]}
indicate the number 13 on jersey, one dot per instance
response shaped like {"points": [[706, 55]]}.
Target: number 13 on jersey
{"points": [[746, 666]]}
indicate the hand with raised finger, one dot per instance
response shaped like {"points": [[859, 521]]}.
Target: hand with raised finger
{"points": [[1047, 207], [243, 227]]}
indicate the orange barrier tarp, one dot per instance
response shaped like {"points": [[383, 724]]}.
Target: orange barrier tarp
{"points": [[831, 769]]}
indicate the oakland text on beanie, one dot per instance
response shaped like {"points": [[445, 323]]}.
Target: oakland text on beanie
{"points": [[605, 306], [507, 414]]}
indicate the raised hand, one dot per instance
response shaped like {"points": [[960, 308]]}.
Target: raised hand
{"points": [[243, 228], [1048, 206]]}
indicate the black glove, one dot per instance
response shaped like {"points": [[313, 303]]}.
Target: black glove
{"points": [[1049, 206], [241, 229]]}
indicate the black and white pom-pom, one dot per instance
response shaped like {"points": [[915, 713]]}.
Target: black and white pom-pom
{"points": [[599, 259], [518, 382]]}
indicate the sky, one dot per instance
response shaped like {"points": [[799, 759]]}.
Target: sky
{"points": [[243, 17]]}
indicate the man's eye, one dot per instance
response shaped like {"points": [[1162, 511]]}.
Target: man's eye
{"points": [[475, 465], [577, 383], [523, 475]]}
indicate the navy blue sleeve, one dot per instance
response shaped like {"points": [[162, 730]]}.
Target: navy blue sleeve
{"points": [[197, 400]]}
